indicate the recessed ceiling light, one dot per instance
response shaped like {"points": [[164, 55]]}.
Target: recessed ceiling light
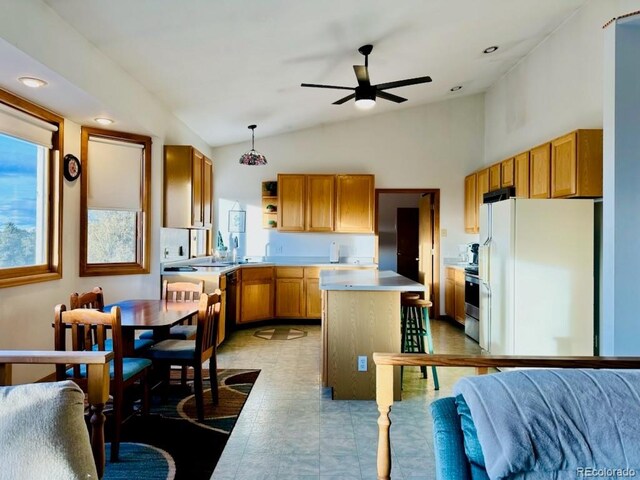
{"points": [[104, 121], [32, 82], [456, 88], [490, 49]]}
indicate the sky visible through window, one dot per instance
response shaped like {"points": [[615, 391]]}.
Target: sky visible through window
{"points": [[18, 197], [18, 182]]}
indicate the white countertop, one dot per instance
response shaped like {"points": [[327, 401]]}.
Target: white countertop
{"points": [[384, 280]]}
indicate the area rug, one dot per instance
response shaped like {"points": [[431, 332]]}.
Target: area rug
{"points": [[280, 333], [171, 443]]}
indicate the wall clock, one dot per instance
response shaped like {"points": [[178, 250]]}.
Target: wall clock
{"points": [[71, 167]]}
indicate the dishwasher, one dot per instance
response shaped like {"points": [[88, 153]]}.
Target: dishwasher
{"points": [[231, 300]]}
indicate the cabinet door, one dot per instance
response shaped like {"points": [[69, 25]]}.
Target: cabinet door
{"points": [[470, 204], [207, 192], [290, 297], [540, 171], [449, 293], [256, 301], [320, 201], [197, 167], [563, 166], [313, 298], [482, 187], [354, 203], [178, 187], [459, 296], [506, 169], [522, 175], [494, 177], [291, 202]]}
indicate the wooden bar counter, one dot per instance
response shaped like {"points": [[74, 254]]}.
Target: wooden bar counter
{"points": [[360, 315]]}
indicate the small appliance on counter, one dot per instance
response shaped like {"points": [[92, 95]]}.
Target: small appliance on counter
{"points": [[472, 258], [334, 253]]}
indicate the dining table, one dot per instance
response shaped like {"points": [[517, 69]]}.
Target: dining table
{"points": [[145, 314]]}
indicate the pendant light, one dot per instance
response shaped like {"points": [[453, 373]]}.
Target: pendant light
{"points": [[252, 157]]}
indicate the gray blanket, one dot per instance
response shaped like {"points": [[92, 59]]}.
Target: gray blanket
{"points": [[550, 424]]}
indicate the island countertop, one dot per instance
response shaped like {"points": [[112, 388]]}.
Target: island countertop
{"points": [[369, 280]]}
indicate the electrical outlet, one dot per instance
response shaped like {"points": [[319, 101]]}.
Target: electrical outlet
{"points": [[362, 363]]}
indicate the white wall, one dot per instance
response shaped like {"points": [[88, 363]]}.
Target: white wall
{"points": [[430, 146], [26, 312], [554, 89]]}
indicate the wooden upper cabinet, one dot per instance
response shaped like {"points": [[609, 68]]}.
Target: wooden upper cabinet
{"points": [[576, 164], [320, 203], [539, 171], [354, 203], [494, 177], [507, 173], [188, 187], [482, 185], [291, 202], [522, 175], [470, 204]]}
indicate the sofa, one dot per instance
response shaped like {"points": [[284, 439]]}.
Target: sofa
{"points": [[43, 434], [539, 424]]}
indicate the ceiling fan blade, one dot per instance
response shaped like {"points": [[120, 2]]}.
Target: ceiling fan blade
{"points": [[362, 74], [315, 85], [389, 96], [344, 99], [403, 83]]}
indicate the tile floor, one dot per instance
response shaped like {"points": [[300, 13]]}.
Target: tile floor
{"points": [[291, 429]]}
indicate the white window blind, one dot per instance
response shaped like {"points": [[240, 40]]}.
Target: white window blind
{"points": [[21, 125], [114, 174]]}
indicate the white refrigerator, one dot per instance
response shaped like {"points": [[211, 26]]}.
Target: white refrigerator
{"points": [[536, 268]]}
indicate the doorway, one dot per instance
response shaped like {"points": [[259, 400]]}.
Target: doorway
{"points": [[401, 215]]}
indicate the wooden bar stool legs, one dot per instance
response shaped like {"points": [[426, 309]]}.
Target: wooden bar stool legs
{"points": [[416, 331]]}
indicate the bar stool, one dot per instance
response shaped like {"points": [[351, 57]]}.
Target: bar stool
{"points": [[415, 329]]}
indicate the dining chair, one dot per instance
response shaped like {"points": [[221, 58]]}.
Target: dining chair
{"points": [[124, 372], [193, 353], [180, 292], [95, 299]]}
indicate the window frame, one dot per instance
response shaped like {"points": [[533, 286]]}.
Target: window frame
{"points": [[52, 270], [141, 265]]}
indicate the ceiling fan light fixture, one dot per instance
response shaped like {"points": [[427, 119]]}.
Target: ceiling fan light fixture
{"points": [[365, 103], [252, 157]]}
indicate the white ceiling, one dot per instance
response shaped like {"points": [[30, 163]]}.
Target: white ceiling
{"points": [[220, 65]]}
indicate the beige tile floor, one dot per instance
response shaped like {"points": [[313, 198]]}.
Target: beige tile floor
{"points": [[291, 429]]}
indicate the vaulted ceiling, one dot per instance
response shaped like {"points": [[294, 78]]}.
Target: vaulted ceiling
{"points": [[220, 65]]}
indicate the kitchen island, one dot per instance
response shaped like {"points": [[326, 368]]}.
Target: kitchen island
{"points": [[360, 315]]}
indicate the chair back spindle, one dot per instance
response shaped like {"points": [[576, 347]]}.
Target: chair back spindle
{"points": [[182, 292], [208, 319]]}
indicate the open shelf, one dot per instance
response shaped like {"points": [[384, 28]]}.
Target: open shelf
{"points": [[269, 204]]}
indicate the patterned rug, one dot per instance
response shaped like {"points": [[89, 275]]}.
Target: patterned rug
{"points": [[171, 443], [280, 333]]}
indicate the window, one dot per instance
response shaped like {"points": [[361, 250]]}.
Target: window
{"points": [[114, 203], [30, 192]]}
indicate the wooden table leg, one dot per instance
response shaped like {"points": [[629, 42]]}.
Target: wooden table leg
{"points": [[384, 399], [98, 390]]}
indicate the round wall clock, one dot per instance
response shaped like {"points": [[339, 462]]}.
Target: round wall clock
{"points": [[71, 167]]}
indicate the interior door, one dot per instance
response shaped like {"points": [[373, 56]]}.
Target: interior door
{"points": [[426, 249], [407, 247]]}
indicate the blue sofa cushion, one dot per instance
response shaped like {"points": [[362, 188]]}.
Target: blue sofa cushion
{"points": [[130, 367], [472, 448], [451, 462]]}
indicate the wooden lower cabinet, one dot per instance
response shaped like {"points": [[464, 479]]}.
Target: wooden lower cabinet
{"points": [[256, 294], [313, 295], [298, 292], [454, 294]]}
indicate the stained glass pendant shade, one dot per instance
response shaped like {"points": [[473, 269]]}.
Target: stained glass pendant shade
{"points": [[252, 157]]}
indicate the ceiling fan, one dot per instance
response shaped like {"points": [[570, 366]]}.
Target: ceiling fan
{"points": [[365, 93]]}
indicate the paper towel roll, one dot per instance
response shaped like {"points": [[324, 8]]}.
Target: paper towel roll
{"points": [[334, 253]]}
